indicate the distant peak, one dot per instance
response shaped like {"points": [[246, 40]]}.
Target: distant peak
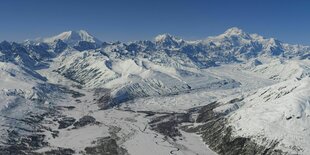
{"points": [[73, 37], [75, 31], [234, 30], [167, 40], [161, 37], [83, 31], [166, 37]]}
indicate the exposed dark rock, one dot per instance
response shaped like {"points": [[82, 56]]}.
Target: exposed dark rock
{"points": [[60, 46], [168, 124], [66, 107], [13, 150], [60, 151], [22, 144], [113, 130], [106, 146], [65, 122], [214, 131], [235, 100], [34, 141], [85, 45], [85, 120], [77, 86], [30, 140], [104, 96], [55, 134], [167, 128], [76, 94], [219, 138], [35, 118], [206, 113]]}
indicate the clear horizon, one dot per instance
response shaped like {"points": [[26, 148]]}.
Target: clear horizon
{"points": [[124, 20]]}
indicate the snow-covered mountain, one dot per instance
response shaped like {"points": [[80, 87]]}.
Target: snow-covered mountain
{"points": [[242, 93], [73, 38], [279, 113]]}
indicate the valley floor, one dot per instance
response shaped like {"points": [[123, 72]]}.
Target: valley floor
{"points": [[72, 121], [130, 130], [129, 124]]}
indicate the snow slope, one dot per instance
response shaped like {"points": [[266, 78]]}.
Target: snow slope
{"points": [[284, 70], [277, 113]]}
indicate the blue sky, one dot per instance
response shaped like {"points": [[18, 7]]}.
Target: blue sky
{"points": [[125, 20]]}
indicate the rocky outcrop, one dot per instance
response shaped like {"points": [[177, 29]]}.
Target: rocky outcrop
{"points": [[106, 146], [65, 122], [85, 120]]}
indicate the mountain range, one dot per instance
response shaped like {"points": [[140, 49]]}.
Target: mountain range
{"points": [[72, 93]]}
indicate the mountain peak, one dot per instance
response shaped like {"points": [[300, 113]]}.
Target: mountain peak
{"points": [[234, 31], [168, 40], [163, 37], [73, 37], [166, 37]]}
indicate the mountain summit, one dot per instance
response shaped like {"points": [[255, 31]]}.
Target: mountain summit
{"points": [[73, 37], [234, 31], [167, 40]]}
